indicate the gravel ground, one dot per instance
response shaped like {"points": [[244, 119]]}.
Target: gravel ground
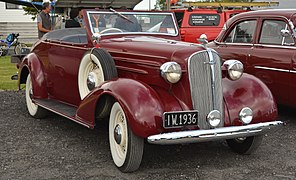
{"points": [[56, 148]]}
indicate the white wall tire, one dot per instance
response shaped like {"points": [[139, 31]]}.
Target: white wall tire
{"points": [[95, 67], [245, 145], [126, 148], [33, 109]]}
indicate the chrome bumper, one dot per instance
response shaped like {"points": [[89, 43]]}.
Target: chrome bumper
{"points": [[194, 136]]}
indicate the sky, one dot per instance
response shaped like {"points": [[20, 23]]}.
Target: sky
{"points": [[144, 5], [285, 4]]}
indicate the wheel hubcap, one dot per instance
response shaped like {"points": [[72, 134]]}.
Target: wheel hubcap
{"points": [[117, 134], [31, 92], [94, 77], [91, 81], [241, 139]]}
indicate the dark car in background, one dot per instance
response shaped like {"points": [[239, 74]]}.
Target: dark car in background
{"points": [[264, 41]]}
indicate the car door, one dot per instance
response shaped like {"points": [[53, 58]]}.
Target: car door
{"points": [[64, 60], [238, 41], [271, 58]]}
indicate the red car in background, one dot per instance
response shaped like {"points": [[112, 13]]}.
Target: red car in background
{"points": [[195, 22], [264, 41]]}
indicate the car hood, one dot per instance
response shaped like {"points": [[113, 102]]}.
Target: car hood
{"points": [[146, 47]]}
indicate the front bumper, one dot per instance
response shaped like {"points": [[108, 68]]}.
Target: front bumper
{"points": [[194, 136]]}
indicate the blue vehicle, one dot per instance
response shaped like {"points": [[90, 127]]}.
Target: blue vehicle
{"points": [[11, 40]]}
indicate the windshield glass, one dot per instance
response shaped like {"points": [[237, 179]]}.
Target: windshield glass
{"points": [[132, 22]]}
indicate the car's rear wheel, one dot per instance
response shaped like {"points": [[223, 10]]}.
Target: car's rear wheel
{"points": [[34, 110], [245, 145], [126, 148], [95, 67]]}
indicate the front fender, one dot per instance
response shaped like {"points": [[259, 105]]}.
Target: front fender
{"points": [[250, 92], [32, 65], [142, 105]]}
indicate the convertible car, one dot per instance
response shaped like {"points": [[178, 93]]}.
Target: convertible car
{"points": [[129, 68]]}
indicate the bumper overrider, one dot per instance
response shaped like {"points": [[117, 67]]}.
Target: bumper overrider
{"points": [[194, 136]]}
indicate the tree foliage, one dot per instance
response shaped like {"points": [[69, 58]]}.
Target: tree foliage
{"points": [[160, 4], [31, 10]]}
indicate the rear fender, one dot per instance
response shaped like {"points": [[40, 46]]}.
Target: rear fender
{"points": [[250, 92], [32, 65], [142, 105]]}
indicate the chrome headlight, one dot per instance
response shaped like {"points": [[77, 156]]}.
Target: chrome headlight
{"points": [[246, 115], [235, 69], [214, 118], [171, 72]]}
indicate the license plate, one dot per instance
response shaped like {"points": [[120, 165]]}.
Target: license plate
{"points": [[179, 119]]}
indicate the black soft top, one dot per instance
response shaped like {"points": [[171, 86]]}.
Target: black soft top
{"points": [[75, 35]]}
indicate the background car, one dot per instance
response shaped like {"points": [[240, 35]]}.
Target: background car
{"points": [[195, 22], [264, 41], [133, 72]]}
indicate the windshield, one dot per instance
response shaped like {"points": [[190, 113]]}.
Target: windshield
{"points": [[105, 23]]}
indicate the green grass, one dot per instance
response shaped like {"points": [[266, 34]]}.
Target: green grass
{"points": [[7, 69]]}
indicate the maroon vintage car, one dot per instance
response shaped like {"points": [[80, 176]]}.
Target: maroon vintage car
{"points": [[264, 41], [129, 68]]}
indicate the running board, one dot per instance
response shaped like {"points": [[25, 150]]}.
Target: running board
{"points": [[59, 108]]}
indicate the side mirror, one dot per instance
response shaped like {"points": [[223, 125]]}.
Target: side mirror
{"points": [[285, 33], [203, 39]]}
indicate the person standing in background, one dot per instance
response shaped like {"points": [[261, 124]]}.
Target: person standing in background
{"points": [[43, 20], [80, 17]]}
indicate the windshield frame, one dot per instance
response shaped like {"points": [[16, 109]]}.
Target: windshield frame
{"points": [[89, 12]]}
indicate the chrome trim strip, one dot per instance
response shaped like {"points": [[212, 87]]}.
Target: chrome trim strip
{"points": [[134, 70], [272, 69], [61, 114], [194, 136], [136, 54], [139, 62], [212, 63], [240, 44], [73, 45], [276, 46]]}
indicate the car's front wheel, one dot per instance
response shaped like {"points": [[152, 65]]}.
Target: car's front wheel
{"points": [[34, 110], [245, 145], [126, 148]]}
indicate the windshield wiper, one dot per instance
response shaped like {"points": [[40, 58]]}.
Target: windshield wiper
{"points": [[121, 15]]}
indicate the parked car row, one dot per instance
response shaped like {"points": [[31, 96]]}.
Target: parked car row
{"points": [[136, 73]]}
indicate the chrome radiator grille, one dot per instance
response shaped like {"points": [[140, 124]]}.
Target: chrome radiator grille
{"points": [[206, 96]]}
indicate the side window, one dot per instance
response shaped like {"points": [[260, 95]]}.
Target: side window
{"points": [[243, 32], [271, 33]]}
